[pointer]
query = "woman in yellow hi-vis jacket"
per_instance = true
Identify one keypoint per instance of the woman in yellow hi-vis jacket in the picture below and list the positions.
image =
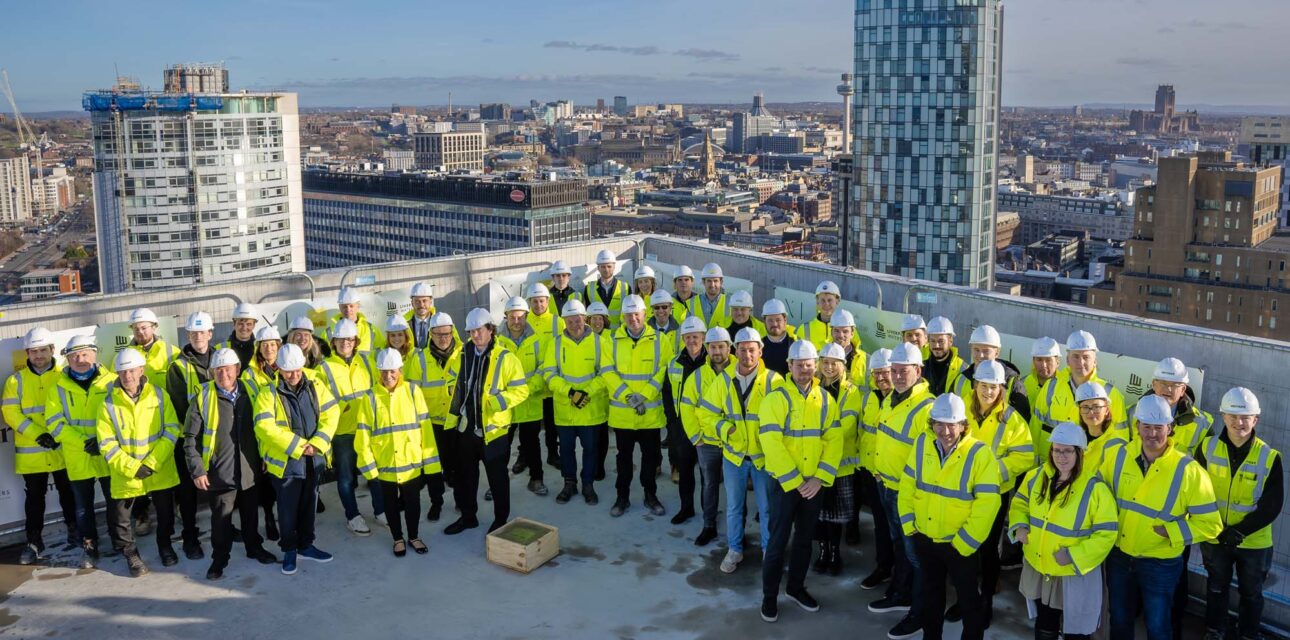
(1065, 518)
(948, 498)
(395, 442)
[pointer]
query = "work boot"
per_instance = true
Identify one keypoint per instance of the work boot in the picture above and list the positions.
(30, 554)
(569, 491)
(137, 567)
(168, 556)
(89, 555)
(655, 507)
(142, 526)
(519, 466)
(537, 487)
(216, 570)
(193, 550)
(619, 508)
(271, 528)
(589, 494)
(706, 536)
(683, 515)
(436, 510)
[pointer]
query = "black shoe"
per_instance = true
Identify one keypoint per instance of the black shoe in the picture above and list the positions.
(237, 534)
(835, 559)
(875, 579)
(706, 536)
(567, 493)
(553, 459)
(537, 487)
(655, 507)
(600, 475)
(262, 556)
(436, 510)
(488, 495)
(888, 603)
(589, 494)
(682, 515)
(193, 550)
(137, 567)
(89, 555)
(400, 548)
(821, 564)
(853, 533)
(803, 600)
(271, 529)
(954, 614)
(216, 571)
(168, 556)
(619, 508)
(321, 507)
(519, 466)
(769, 609)
(497, 524)
(908, 627)
(460, 525)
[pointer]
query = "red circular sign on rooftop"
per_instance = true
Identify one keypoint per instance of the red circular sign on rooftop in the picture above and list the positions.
(517, 195)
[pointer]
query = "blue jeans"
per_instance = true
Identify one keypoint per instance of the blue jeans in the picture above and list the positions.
(1141, 583)
(907, 578)
(569, 437)
(86, 523)
(1251, 567)
(345, 461)
(710, 465)
(736, 480)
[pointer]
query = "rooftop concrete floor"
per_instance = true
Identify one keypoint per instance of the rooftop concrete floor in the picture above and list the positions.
(632, 577)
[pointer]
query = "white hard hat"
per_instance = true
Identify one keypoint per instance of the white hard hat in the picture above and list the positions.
(741, 299)
(81, 342)
(573, 308)
(441, 319)
(712, 270)
(880, 359)
(1045, 347)
(1171, 370)
(267, 332)
(559, 267)
(1153, 409)
(717, 334)
(842, 318)
(986, 335)
(828, 286)
(949, 407)
(989, 371)
(1069, 434)
(301, 323)
(290, 358)
(833, 350)
(1081, 341)
(517, 303)
(1091, 391)
(684, 271)
(940, 325)
(396, 323)
(225, 358)
(747, 334)
(37, 338)
(477, 318)
(597, 308)
(537, 290)
(803, 350)
(633, 304)
(422, 290)
(660, 297)
(1239, 401)
(912, 322)
(127, 359)
(347, 296)
(693, 324)
(246, 311)
(905, 353)
(344, 328)
(142, 315)
(389, 360)
(774, 306)
(643, 271)
(605, 256)
(199, 321)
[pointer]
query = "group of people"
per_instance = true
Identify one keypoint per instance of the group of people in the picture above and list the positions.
(966, 465)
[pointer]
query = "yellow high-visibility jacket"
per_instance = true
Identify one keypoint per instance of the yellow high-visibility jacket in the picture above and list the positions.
(737, 422)
(867, 446)
(1083, 520)
(898, 426)
(800, 435)
(256, 378)
(548, 324)
(156, 360)
(952, 373)
(637, 366)
(528, 348)
(134, 433)
(1238, 492)
(1008, 437)
(277, 442)
(1033, 386)
(681, 308)
(369, 339)
(507, 388)
(815, 331)
(23, 407)
(347, 382)
(395, 439)
(71, 416)
(720, 315)
(1175, 493)
(1097, 447)
(858, 372)
(690, 400)
(1191, 426)
(411, 314)
(1056, 404)
(591, 293)
(954, 501)
(850, 401)
(577, 364)
(423, 371)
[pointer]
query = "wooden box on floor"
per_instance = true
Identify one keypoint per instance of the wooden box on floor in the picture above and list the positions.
(523, 545)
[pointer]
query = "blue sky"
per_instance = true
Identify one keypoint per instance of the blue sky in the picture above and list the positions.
(1057, 52)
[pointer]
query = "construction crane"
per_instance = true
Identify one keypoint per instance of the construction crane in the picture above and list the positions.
(25, 137)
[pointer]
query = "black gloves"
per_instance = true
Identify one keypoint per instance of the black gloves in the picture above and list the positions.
(92, 447)
(579, 398)
(1231, 537)
(47, 441)
(143, 472)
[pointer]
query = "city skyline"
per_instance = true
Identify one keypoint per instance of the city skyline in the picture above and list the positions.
(666, 51)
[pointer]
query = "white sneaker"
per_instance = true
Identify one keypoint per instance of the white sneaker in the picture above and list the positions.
(731, 561)
(358, 526)
(381, 519)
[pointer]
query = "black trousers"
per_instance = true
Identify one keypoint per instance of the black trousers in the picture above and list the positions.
(650, 442)
(186, 497)
(223, 504)
(602, 452)
(267, 497)
(436, 485)
(36, 485)
(531, 448)
(403, 498)
(123, 524)
(551, 436)
(471, 451)
(884, 552)
(990, 559)
(297, 509)
(684, 459)
(795, 516)
(86, 522)
(938, 561)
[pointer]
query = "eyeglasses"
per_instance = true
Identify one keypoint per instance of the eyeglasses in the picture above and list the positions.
(1171, 386)
(1090, 408)
(1058, 453)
